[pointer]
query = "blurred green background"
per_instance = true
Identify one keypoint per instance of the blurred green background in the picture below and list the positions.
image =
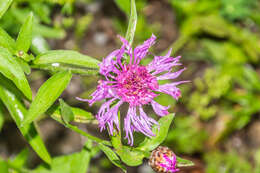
(217, 123)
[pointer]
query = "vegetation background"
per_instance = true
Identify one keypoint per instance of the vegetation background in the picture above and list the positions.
(217, 122)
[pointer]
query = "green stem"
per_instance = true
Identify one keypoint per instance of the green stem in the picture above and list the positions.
(76, 129)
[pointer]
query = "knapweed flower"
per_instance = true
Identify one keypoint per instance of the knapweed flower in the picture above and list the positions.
(163, 160)
(135, 85)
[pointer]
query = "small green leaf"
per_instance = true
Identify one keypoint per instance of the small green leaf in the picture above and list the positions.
(21, 159)
(4, 5)
(73, 163)
(131, 156)
(112, 156)
(66, 112)
(24, 39)
(80, 116)
(7, 41)
(24, 65)
(79, 131)
(150, 144)
(42, 11)
(47, 94)
(12, 70)
(57, 59)
(183, 162)
(124, 5)
(18, 111)
(132, 23)
(49, 32)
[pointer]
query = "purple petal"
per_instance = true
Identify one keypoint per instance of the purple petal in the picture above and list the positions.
(159, 109)
(163, 63)
(149, 120)
(108, 64)
(140, 123)
(103, 91)
(128, 128)
(110, 117)
(171, 89)
(125, 42)
(141, 50)
(170, 75)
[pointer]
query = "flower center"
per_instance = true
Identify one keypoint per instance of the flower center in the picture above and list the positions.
(135, 85)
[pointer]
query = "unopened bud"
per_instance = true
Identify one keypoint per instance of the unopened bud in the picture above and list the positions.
(163, 160)
(20, 53)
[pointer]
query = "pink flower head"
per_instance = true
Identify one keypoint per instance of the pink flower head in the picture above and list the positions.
(163, 160)
(169, 163)
(136, 85)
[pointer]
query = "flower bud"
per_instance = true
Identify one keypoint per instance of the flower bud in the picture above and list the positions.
(163, 160)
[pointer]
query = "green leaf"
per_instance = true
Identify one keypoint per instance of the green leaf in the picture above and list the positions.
(6, 41)
(183, 162)
(124, 5)
(80, 116)
(12, 70)
(3, 166)
(26, 68)
(112, 156)
(21, 159)
(66, 112)
(67, 59)
(79, 131)
(24, 39)
(18, 111)
(131, 156)
(39, 45)
(48, 32)
(47, 94)
(150, 144)
(4, 5)
(132, 23)
(73, 163)
(42, 11)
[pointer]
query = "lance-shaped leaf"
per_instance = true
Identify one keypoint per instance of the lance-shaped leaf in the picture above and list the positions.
(39, 45)
(24, 39)
(4, 5)
(124, 5)
(73, 163)
(161, 133)
(132, 23)
(79, 131)
(80, 115)
(67, 59)
(66, 112)
(18, 111)
(10, 68)
(183, 162)
(112, 156)
(24, 65)
(132, 156)
(21, 159)
(6, 41)
(47, 94)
